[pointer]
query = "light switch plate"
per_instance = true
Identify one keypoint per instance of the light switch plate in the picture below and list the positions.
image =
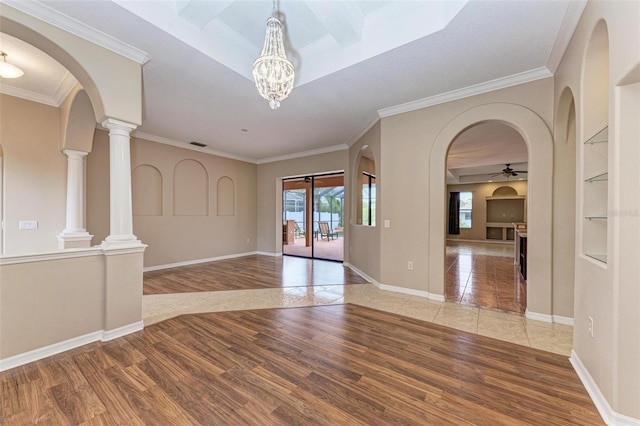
(28, 224)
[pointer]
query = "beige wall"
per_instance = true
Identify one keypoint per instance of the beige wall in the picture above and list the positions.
(269, 187)
(610, 294)
(407, 165)
(113, 82)
(364, 245)
(192, 230)
(35, 175)
(481, 191)
(36, 312)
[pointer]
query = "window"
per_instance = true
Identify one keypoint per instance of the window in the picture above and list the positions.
(368, 199)
(466, 199)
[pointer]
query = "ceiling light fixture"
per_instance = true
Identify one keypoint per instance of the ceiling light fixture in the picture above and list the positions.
(272, 71)
(8, 70)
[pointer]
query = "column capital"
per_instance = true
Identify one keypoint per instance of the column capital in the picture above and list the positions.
(113, 124)
(74, 153)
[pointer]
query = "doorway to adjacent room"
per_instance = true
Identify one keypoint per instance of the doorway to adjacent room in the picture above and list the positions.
(313, 216)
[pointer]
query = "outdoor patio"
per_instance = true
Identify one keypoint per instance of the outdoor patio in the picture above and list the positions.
(332, 249)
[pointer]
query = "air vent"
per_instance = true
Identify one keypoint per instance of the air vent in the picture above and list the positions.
(201, 145)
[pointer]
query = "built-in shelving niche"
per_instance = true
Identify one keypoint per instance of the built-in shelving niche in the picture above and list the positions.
(595, 195)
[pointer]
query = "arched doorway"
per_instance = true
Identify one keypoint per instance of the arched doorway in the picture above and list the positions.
(487, 191)
(539, 141)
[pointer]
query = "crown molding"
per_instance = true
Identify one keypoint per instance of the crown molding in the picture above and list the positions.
(359, 135)
(567, 28)
(64, 88)
(28, 95)
(185, 145)
(51, 16)
(477, 89)
(301, 154)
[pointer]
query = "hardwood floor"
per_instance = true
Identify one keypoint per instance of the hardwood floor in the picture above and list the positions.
(250, 272)
(484, 276)
(329, 365)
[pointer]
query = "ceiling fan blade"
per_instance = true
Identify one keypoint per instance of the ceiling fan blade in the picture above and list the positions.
(520, 171)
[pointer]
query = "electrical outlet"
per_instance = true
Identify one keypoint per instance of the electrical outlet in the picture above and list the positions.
(28, 224)
(590, 325)
(387, 223)
(410, 265)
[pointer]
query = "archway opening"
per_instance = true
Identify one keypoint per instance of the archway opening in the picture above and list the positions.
(486, 186)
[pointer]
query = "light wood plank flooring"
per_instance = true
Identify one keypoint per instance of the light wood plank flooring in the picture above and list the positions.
(249, 273)
(329, 365)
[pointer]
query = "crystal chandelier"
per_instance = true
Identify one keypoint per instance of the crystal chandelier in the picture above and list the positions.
(272, 71)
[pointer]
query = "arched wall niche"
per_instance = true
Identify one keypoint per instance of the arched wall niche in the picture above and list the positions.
(147, 191)
(539, 141)
(504, 191)
(566, 117)
(78, 121)
(595, 81)
(226, 197)
(190, 189)
(365, 174)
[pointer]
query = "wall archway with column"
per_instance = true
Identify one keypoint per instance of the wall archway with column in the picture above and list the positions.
(540, 146)
(113, 83)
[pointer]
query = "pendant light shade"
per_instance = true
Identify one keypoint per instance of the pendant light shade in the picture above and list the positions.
(8, 70)
(272, 71)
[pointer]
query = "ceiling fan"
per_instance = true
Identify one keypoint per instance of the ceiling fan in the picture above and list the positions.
(508, 171)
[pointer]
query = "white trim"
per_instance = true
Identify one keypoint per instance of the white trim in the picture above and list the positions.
(362, 274)
(28, 95)
(538, 317)
(268, 253)
(609, 416)
(54, 255)
(567, 28)
(64, 88)
(51, 16)
(66, 345)
(121, 331)
(563, 320)
(197, 261)
(412, 292)
(47, 351)
(359, 135)
(301, 154)
(186, 145)
(489, 86)
(394, 289)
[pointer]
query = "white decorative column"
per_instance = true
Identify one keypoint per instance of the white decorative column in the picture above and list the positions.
(74, 234)
(121, 214)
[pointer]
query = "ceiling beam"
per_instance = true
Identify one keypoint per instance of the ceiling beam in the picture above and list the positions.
(345, 23)
(200, 13)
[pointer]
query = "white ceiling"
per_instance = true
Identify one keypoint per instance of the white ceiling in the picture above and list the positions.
(356, 61)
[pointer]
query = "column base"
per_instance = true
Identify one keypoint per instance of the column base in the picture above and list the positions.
(121, 241)
(71, 240)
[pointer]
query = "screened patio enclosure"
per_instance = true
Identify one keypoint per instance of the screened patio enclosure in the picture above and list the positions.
(313, 216)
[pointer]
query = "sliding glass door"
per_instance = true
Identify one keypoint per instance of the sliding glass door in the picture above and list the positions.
(313, 216)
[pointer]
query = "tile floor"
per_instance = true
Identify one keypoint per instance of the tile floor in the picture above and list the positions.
(500, 325)
(483, 275)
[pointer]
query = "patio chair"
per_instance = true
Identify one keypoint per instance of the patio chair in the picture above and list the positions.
(297, 231)
(324, 231)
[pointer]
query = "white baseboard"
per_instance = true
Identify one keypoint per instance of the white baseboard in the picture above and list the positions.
(395, 289)
(462, 240)
(609, 416)
(268, 253)
(121, 331)
(549, 318)
(197, 261)
(76, 342)
(538, 317)
(563, 320)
